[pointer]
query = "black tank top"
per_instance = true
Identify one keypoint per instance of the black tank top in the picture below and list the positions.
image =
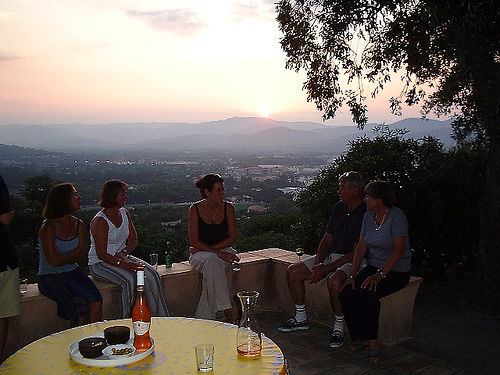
(212, 233)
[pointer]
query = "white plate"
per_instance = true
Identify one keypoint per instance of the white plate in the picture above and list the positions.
(108, 350)
(105, 361)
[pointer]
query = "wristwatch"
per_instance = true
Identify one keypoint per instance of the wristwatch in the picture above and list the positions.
(381, 273)
(118, 262)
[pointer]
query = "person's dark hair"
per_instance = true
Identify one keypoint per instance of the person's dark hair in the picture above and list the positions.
(381, 190)
(58, 201)
(354, 180)
(110, 191)
(207, 182)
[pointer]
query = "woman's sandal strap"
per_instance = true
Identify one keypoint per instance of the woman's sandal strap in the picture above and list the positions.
(374, 355)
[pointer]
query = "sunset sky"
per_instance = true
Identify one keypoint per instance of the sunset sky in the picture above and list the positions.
(100, 61)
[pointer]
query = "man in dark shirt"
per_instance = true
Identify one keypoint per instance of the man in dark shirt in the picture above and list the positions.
(333, 257)
(9, 268)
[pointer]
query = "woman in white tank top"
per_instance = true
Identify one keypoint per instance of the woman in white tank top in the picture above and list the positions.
(113, 238)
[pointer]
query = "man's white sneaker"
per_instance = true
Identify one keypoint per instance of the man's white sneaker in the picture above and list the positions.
(336, 339)
(292, 325)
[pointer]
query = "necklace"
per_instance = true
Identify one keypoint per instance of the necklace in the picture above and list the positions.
(214, 213)
(384, 217)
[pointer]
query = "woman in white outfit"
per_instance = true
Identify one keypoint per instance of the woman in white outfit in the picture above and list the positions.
(113, 238)
(212, 232)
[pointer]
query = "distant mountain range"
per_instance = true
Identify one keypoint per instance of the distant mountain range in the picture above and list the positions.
(244, 134)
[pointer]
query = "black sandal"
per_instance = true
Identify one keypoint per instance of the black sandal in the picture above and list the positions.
(374, 356)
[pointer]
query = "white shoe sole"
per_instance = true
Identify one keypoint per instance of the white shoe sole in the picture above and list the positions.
(292, 329)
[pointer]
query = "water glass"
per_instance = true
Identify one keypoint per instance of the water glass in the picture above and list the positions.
(153, 260)
(204, 357)
(23, 286)
(299, 251)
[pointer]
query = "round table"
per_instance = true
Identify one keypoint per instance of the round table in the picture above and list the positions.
(175, 339)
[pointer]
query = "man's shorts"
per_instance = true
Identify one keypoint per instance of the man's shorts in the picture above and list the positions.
(9, 293)
(346, 267)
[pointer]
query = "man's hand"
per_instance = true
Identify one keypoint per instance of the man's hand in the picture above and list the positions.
(319, 272)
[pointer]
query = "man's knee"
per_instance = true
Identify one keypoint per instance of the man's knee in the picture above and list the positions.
(297, 272)
(335, 282)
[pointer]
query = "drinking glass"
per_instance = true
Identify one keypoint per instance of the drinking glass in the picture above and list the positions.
(153, 260)
(23, 286)
(299, 251)
(204, 357)
(235, 266)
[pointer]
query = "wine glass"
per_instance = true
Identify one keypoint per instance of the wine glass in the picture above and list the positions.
(299, 250)
(235, 266)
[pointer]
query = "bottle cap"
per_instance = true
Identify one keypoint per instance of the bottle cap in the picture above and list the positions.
(140, 277)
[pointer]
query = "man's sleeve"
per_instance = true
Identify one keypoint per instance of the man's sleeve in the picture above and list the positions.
(330, 228)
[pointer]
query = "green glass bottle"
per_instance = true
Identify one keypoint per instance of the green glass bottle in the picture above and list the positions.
(168, 256)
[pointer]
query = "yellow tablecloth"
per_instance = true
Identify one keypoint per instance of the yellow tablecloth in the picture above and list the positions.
(175, 339)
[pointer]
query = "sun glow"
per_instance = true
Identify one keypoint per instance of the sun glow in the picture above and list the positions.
(264, 112)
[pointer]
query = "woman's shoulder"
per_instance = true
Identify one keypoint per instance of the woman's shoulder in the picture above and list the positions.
(196, 205)
(398, 213)
(100, 214)
(47, 225)
(80, 223)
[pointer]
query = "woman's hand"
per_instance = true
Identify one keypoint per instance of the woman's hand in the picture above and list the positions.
(131, 266)
(349, 281)
(228, 257)
(193, 250)
(371, 282)
(121, 255)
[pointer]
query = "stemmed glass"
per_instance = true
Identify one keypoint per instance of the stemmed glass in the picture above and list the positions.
(235, 266)
(299, 250)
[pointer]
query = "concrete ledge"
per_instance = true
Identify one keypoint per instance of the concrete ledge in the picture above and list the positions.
(261, 270)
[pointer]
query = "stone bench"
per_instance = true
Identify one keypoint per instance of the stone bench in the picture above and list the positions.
(396, 314)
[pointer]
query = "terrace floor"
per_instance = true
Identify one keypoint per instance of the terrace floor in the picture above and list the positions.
(447, 339)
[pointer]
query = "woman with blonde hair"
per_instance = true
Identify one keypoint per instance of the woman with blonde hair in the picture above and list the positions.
(113, 238)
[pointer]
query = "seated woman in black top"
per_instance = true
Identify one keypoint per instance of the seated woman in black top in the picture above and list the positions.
(212, 231)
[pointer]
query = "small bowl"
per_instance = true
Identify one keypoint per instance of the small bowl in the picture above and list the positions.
(117, 335)
(120, 350)
(91, 347)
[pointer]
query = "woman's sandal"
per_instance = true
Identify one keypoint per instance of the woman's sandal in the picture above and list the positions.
(374, 355)
(358, 346)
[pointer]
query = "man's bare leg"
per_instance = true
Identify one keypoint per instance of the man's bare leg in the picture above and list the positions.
(296, 274)
(335, 281)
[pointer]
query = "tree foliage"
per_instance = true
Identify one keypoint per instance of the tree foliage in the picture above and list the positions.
(450, 46)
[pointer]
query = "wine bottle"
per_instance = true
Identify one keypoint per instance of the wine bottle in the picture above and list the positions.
(141, 316)
(168, 256)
